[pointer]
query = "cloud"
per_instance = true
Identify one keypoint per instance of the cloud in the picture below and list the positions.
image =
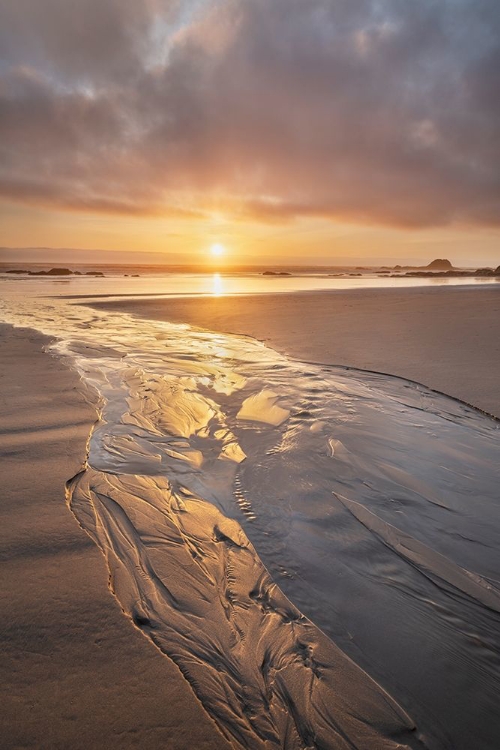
(365, 110)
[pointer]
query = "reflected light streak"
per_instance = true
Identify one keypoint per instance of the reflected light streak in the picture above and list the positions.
(217, 289)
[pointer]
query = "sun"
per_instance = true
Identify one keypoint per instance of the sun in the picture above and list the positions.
(217, 250)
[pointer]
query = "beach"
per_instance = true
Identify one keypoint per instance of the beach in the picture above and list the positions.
(74, 672)
(189, 417)
(249, 375)
(445, 338)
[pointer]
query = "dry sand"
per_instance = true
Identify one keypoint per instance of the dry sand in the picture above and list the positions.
(74, 673)
(445, 338)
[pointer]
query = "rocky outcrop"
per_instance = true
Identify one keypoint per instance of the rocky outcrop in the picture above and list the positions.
(440, 264)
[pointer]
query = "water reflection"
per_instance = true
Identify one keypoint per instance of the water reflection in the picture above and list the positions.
(363, 496)
(213, 284)
(217, 288)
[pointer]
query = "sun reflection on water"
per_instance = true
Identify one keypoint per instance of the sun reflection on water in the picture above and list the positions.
(217, 289)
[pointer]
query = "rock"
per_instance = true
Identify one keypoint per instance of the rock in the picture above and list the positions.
(440, 274)
(52, 272)
(440, 264)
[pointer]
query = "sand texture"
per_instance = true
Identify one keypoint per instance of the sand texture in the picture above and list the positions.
(74, 673)
(314, 546)
(445, 338)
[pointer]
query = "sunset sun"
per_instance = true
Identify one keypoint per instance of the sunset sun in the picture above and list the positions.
(249, 284)
(217, 250)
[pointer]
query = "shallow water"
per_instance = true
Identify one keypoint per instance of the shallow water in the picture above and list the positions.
(115, 284)
(372, 502)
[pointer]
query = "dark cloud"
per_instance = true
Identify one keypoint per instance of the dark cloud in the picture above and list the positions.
(89, 42)
(367, 110)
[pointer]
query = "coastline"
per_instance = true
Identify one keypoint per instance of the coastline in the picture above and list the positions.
(78, 620)
(74, 671)
(446, 338)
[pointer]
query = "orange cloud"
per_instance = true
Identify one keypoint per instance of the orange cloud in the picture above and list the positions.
(362, 111)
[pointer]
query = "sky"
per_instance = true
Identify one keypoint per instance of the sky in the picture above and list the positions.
(292, 131)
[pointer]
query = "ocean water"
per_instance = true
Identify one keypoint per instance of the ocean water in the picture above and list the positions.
(153, 283)
(317, 548)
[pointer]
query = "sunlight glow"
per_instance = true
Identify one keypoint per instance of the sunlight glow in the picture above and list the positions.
(217, 250)
(217, 289)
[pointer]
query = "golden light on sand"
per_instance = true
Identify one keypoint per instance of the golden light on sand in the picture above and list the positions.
(217, 250)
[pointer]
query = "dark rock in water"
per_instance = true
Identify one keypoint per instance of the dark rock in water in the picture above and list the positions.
(52, 272)
(489, 272)
(135, 275)
(440, 264)
(77, 273)
(276, 273)
(94, 273)
(438, 274)
(58, 272)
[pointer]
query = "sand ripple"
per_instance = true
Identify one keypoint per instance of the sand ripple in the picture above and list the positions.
(225, 482)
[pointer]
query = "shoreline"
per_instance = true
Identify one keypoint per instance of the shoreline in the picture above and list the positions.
(398, 289)
(74, 670)
(299, 320)
(439, 338)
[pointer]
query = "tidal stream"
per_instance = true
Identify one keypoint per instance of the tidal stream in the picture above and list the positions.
(317, 548)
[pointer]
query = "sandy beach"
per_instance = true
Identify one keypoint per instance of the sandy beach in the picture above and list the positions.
(249, 375)
(445, 338)
(74, 672)
(261, 538)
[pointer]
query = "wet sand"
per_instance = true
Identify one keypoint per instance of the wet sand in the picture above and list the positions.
(77, 674)
(73, 670)
(445, 338)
